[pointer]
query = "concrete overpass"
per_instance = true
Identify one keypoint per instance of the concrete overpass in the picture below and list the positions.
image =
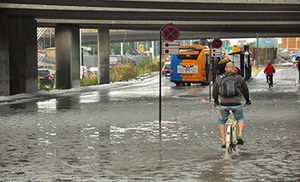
(136, 35)
(221, 16)
(141, 35)
(19, 19)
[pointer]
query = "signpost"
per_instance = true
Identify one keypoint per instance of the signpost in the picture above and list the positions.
(170, 33)
(215, 51)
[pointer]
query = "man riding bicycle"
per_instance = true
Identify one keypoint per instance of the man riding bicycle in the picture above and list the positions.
(230, 87)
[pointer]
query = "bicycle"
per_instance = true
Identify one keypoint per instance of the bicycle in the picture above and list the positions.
(231, 135)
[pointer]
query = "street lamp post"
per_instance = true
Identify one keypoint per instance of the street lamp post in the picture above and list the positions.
(82, 63)
(257, 50)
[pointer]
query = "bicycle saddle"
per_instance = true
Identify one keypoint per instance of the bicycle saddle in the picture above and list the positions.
(228, 109)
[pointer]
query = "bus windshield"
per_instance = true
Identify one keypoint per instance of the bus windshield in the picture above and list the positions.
(188, 53)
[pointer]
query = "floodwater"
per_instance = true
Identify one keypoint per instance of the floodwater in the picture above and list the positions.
(112, 134)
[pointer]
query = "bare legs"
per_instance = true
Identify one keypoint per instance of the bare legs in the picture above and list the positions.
(240, 127)
(222, 133)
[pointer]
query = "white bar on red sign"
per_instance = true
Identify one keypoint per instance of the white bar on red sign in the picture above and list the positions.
(169, 51)
(170, 44)
(216, 50)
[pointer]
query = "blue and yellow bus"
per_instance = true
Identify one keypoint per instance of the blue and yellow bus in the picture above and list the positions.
(190, 65)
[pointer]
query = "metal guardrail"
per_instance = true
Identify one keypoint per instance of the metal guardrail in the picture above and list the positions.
(40, 33)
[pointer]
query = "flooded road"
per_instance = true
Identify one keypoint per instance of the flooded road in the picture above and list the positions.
(112, 134)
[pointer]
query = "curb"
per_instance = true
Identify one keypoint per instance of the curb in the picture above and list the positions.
(41, 95)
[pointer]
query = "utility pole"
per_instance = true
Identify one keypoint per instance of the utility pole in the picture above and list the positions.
(209, 73)
(257, 50)
(81, 55)
(122, 53)
(50, 34)
(153, 50)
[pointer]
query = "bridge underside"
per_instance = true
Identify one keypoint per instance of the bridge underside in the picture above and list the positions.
(282, 16)
(128, 36)
(207, 18)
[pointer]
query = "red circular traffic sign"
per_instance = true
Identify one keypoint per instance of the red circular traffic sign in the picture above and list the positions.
(216, 43)
(171, 33)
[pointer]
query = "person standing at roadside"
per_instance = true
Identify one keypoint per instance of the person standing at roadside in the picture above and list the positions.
(298, 66)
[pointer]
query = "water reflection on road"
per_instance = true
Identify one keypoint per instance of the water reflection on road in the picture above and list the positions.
(113, 135)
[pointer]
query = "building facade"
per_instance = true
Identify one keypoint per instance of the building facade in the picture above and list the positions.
(290, 43)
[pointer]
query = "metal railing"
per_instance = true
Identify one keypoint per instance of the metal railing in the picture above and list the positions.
(40, 33)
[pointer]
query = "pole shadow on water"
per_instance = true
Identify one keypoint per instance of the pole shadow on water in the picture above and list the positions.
(29, 107)
(67, 103)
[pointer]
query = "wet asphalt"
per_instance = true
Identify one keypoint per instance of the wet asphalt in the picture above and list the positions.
(112, 134)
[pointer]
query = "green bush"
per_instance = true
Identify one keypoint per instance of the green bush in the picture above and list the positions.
(92, 80)
(148, 66)
(43, 86)
(123, 72)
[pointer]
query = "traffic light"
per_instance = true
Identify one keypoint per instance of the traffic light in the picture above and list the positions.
(141, 47)
(235, 48)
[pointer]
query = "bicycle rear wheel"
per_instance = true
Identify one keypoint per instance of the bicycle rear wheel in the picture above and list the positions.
(228, 137)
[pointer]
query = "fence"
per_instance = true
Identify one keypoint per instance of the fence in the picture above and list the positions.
(265, 54)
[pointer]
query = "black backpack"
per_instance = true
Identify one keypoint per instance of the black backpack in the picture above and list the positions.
(230, 85)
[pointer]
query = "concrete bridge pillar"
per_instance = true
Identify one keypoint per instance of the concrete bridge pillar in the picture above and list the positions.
(103, 55)
(67, 56)
(4, 56)
(18, 62)
(23, 55)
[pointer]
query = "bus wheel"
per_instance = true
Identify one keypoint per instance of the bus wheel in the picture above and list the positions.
(177, 83)
(188, 84)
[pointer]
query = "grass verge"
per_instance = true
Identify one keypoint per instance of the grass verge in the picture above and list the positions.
(256, 70)
(125, 72)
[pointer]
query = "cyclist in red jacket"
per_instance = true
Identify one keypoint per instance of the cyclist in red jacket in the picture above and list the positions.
(269, 71)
